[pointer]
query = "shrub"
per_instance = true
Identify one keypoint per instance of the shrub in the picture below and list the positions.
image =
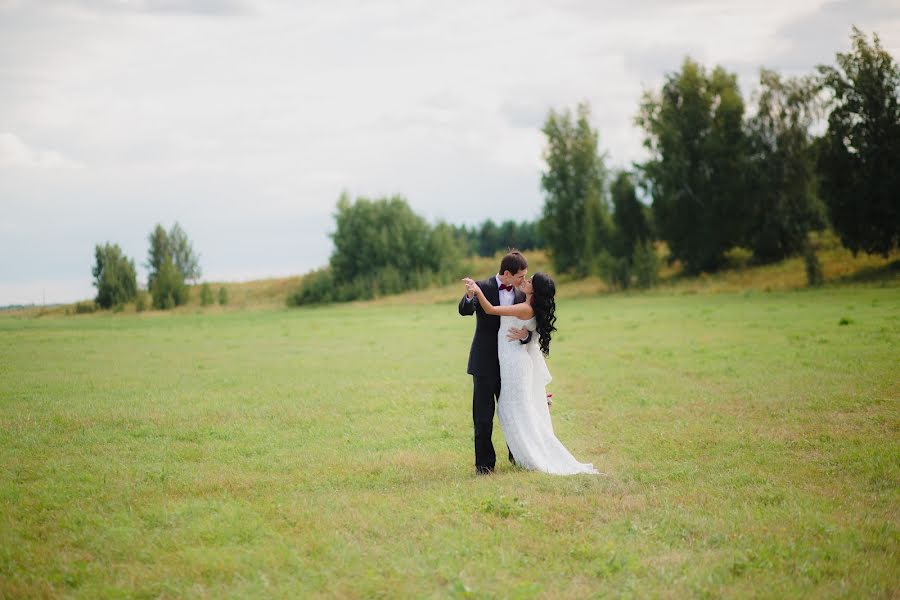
(315, 288)
(223, 296)
(638, 270)
(814, 275)
(140, 303)
(206, 295)
(85, 307)
(738, 257)
(614, 270)
(645, 265)
(168, 289)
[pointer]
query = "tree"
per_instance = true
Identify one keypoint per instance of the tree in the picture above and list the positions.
(173, 244)
(698, 167)
(630, 256)
(466, 239)
(529, 236)
(114, 276)
(488, 238)
(169, 289)
(575, 218)
(159, 250)
(171, 262)
(860, 151)
(509, 235)
(380, 247)
(629, 215)
(206, 294)
(785, 205)
(373, 234)
(443, 249)
(186, 260)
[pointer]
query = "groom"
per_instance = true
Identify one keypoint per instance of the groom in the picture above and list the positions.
(484, 367)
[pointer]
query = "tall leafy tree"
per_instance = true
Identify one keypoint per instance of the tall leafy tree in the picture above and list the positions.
(186, 260)
(158, 252)
(575, 218)
(114, 276)
(171, 261)
(175, 245)
(697, 171)
(860, 152)
(784, 203)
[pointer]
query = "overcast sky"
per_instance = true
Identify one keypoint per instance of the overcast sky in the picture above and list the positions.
(244, 120)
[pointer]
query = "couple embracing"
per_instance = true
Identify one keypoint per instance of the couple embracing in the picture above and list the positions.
(514, 321)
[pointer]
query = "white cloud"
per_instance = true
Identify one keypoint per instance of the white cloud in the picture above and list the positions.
(166, 7)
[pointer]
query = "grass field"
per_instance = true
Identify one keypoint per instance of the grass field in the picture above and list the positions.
(750, 440)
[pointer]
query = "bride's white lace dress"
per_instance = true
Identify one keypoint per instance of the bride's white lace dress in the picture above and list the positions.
(522, 407)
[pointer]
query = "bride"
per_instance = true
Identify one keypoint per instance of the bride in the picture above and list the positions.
(522, 406)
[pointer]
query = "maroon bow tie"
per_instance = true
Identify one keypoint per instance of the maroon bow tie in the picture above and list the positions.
(506, 288)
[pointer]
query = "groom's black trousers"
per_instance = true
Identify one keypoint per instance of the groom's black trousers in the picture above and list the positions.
(485, 394)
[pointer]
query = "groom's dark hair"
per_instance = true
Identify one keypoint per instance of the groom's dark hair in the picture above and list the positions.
(513, 262)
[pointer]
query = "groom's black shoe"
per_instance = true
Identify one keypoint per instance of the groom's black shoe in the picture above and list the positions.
(483, 470)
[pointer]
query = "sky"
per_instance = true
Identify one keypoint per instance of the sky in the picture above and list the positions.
(244, 120)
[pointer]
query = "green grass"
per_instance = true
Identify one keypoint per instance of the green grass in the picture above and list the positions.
(751, 442)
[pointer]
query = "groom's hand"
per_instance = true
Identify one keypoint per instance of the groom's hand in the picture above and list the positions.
(516, 335)
(470, 287)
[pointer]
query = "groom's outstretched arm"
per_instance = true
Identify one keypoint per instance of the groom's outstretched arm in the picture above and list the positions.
(467, 306)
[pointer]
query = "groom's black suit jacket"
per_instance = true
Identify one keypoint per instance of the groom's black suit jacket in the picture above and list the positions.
(483, 361)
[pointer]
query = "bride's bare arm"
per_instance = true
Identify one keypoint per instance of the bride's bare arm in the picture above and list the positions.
(521, 310)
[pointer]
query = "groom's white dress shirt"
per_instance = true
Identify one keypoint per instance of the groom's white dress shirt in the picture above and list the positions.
(507, 297)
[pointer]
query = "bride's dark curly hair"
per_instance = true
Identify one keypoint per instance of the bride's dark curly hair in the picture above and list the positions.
(544, 304)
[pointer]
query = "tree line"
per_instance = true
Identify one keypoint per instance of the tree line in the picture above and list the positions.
(717, 178)
(172, 264)
(489, 238)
